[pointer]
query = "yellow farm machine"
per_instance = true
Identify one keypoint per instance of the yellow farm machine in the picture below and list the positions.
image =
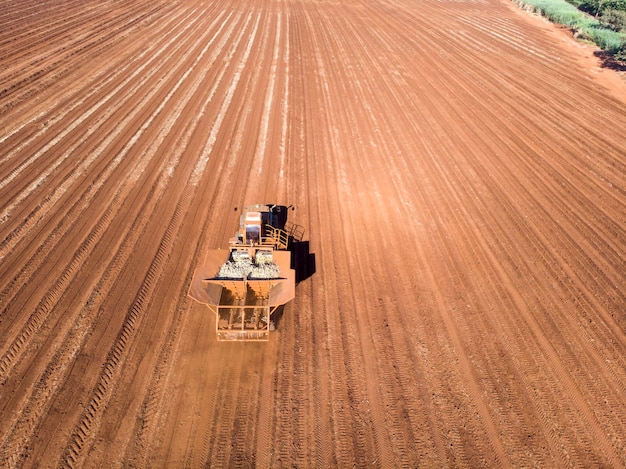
(246, 283)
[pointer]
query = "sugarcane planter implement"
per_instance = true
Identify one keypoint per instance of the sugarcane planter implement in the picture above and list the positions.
(245, 284)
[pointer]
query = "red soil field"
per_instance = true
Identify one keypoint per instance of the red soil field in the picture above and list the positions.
(459, 167)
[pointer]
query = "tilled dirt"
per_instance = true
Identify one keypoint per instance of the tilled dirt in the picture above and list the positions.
(459, 168)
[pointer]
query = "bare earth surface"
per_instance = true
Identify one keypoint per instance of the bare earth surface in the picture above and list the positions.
(459, 167)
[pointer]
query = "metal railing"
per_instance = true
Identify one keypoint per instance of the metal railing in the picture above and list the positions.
(278, 237)
(295, 231)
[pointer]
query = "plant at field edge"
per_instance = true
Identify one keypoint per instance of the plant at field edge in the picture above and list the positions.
(582, 24)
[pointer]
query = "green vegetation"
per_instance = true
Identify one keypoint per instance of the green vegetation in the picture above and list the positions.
(600, 21)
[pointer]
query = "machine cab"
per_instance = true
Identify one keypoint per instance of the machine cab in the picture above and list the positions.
(252, 227)
(260, 223)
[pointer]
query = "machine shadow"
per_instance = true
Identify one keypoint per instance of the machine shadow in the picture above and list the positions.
(276, 317)
(302, 259)
(303, 262)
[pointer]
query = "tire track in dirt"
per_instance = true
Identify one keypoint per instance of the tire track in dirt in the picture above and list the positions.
(364, 422)
(219, 451)
(63, 282)
(225, 169)
(402, 285)
(268, 178)
(347, 443)
(572, 367)
(470, 299)
(215, 419)
(386, 420)
(571, 212)
(176, 284)
(604, 252)
(463, 184)
(303, 143)
(450, 256)
(371, 198)
(290, 430)
(37, 49)
(347, 152)
(149, 422)
(558, 174)
(241, 422)
(59, 103)
(103, 102)
(48, 72)
(15, 236)
(227, 176)
(84, 434)
(34, 409)
(615, 406)
(556, 435)
(227, 102)
(152, 421)
(243, 428)
(241, 167)
(94, 301)
(91, 190)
